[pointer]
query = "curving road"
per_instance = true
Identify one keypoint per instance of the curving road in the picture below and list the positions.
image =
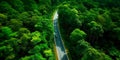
(61, 53)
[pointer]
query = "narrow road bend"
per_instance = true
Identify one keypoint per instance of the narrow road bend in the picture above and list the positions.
(61, 53)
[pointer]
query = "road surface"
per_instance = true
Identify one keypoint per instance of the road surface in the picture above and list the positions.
(61, 53)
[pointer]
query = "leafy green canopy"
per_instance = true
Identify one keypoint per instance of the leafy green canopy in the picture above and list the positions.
(99, 20)
(26, 30)
(77, 35)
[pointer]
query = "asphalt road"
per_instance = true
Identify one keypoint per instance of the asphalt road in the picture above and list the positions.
(61, 53)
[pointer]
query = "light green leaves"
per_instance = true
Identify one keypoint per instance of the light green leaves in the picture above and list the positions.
(36, 37)
(77, 35)
(5, 32)
(48, 52)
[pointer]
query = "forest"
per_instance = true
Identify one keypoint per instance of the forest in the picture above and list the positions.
(26, 30)
(90, 29)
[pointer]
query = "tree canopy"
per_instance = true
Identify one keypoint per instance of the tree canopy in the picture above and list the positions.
(92, 29)
(26, 31)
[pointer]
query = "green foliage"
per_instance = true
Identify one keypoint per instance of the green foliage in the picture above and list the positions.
(3, 19)
(100, 22)
(93, 54)
(21, 36)
(24, 16)
(77, 35)
(5, 51)
(16, 4)
(108, 3)
(23, 31)
(78, 51)
(6, 8)
(68, 15)
(77, 39)
(26, 29)
(82, 44)
(82, 7)
(36, 37)
(2, 16)
(36, 56)
(38, 48)
(30, 5)
(117, 33)
(96, 29)
(114, 52)
(48, 52)
(44, 24)
(15, 24)
(44, 6)
(5, 32)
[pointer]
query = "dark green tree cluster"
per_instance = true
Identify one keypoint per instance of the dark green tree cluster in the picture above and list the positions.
(26, 31)
(92, 28)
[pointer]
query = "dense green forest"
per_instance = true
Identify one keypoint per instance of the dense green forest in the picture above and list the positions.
(90, 29)
(26, 30)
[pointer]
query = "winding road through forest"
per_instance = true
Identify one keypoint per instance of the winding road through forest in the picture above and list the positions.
(61, 53)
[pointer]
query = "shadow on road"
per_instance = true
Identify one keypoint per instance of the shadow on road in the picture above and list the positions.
(64, 57)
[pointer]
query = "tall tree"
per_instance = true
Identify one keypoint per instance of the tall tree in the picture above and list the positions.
(95, 31)
(77, 35)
